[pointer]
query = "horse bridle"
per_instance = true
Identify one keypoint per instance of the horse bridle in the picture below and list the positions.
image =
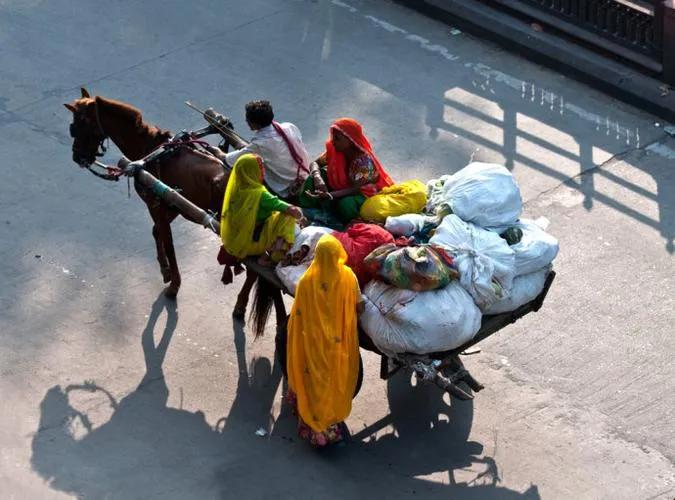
(76, 128)
(112, 173)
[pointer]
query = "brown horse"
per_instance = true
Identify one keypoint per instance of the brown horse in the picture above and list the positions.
(199, 177)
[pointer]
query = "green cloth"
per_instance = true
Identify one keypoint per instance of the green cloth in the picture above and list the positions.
(346, 208)
(269, 204)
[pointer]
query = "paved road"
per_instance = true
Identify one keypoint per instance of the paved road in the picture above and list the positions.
(111, 391)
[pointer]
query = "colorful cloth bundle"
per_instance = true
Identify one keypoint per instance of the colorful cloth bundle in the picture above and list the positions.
(412, 267)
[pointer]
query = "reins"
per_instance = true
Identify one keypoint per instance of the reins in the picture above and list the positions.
(113, 173)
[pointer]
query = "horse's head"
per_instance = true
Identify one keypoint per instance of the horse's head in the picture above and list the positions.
(86, 129)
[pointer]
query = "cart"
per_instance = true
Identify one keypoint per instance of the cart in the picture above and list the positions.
(445, 369)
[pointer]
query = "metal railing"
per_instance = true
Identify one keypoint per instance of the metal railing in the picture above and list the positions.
(640, 31)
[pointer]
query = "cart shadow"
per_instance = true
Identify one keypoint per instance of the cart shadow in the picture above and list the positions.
(142, 448)
(427, 435)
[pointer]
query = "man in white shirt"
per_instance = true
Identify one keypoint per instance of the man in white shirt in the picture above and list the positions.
(280, 146)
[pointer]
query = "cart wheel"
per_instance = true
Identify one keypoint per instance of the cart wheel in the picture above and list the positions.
(281, 341)
(359, 379)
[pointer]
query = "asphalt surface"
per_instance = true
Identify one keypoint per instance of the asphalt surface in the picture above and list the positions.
(109, 390)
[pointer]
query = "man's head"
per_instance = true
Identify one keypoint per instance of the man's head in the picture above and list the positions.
(259, 114)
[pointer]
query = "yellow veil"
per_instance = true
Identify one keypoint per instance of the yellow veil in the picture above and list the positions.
(240, 206)
(323, 346)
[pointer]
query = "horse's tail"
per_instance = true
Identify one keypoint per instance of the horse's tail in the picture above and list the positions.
(263, 299)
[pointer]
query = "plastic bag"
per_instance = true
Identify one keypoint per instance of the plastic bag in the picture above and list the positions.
(406, 198)
(358, 241)
(525, 289)
(485, 262)
(536, 248)
(412, 267)
(400, 321)
(485, 194)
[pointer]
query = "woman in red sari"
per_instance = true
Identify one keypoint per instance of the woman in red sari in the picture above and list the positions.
(346, 174)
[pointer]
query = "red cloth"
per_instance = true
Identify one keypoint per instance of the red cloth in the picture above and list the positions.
(231, 264)
(338, 177)
(358, 241)
(291, 149)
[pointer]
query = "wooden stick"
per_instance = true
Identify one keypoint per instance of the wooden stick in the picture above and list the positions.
(230, 135)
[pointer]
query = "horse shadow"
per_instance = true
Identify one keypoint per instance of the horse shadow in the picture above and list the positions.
(146, 448)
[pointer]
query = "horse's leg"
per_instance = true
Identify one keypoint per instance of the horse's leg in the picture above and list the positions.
(280, 309)
(166, 216)
(161, 255)
(239, 311)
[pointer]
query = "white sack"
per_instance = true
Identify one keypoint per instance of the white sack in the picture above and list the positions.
(525, 289)
(308, 236)
(535, 250)
(408, 224)
(404, 225)
(401, 321)
(290, 275)
(480, 257)
(485, 194)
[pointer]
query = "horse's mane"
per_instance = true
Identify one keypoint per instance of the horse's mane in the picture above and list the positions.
(129, 114)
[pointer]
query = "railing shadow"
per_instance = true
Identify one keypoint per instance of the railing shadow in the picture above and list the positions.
(478, 106)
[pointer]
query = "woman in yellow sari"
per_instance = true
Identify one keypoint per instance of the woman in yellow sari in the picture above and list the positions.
(323, 347)
(254, 221)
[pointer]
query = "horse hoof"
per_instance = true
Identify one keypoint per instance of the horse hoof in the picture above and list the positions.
(170, 292)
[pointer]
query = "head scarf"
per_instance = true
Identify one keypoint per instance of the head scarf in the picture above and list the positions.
(338, 177)
(323, 347)
(240, 206)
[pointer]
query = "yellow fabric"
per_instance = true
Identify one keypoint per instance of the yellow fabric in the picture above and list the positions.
(240, 208)
(408, 197)
(240, 205)
(323, 346)
(277, 225)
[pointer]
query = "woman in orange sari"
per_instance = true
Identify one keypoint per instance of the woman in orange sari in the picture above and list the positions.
(348, 172)
(323, 346)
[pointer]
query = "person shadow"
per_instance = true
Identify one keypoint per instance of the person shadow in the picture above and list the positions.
(146, 448)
